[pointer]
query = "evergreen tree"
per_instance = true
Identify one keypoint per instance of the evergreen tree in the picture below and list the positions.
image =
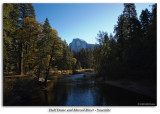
(150, 45)
(133, 53)
(28, 36)
(10, 28)
(47, 26)
(145, 20)
(53, 47)
(66, 62)
(129, 13)
(26, 11)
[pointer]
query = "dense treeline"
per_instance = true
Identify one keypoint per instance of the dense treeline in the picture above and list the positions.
(84, 58)
(131, 53)
(30, 46)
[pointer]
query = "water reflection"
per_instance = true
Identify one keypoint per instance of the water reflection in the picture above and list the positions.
(76, 91)
(81, 96)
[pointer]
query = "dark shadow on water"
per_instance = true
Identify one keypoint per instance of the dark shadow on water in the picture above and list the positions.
(78, 92)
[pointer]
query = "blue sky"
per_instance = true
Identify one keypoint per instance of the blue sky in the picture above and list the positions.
(82, 20)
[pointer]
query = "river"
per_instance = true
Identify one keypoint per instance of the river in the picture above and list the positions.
(81, 90)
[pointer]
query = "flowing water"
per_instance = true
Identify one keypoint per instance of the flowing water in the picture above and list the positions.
(81, 90)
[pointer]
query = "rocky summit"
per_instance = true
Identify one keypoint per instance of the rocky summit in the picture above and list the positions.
(78, 44)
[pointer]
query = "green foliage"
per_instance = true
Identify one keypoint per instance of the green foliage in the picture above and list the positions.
(103, 54)
(29, 45)
(84, 58)
(28, 36)
(145, 20)
(131, 53)
(10, 28)
(26, 10)
(53, 47)
(65, 63)
(47, 26)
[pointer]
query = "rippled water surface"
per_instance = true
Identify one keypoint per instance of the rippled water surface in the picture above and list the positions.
(79, 90)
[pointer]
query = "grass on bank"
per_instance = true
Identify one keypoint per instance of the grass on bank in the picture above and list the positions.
(16, 87)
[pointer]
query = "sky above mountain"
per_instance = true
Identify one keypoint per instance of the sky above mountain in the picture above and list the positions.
(82, 20)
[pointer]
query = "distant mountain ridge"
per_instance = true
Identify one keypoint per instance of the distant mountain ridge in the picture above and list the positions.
(78, 44)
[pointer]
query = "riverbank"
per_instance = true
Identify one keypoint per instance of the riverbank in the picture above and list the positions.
(73, 90)
(144, 87)
(17, 88)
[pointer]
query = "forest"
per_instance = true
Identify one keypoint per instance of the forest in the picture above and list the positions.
(132, 52)
(34, 48)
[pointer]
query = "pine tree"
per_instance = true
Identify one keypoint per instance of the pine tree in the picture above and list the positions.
(53, 47)
(129, 13)
(150, 45)
(47, 26)
(26, 11)
(145, 20)
(66, 62)
(10, 28)
(29, 36)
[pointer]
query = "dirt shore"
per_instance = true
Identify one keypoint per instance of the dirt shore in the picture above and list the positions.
(147, 90)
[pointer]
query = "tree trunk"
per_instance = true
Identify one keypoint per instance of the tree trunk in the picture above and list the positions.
(21, 60)
(47, 72)
(7, 66)
(39, 71)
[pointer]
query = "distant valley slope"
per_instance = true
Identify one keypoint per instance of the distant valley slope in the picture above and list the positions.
(78, 44)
